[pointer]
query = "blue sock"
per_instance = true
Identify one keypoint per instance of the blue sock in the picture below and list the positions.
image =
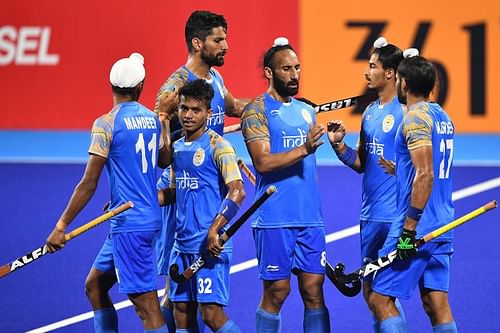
(400, 309)
(316, 320)
(162, 329)
(267, 322)
(185, 330)
(393, 325)
(450, 327)
(229, 327)
(105, 320)
(168, 315)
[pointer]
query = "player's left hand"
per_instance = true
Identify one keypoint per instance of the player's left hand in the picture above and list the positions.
(213, 245)
(388, 165)
(406, 244)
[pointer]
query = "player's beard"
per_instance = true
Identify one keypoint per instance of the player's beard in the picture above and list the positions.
(401, 97)
(283, 89)
(213, 60)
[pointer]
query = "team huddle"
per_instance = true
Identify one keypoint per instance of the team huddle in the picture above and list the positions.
(405, 152)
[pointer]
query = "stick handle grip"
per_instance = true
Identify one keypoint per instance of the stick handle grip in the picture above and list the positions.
(466, 218)
(95, 222)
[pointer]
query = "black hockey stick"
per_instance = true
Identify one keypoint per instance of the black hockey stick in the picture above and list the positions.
(341, 103)
(198, 263)
(343, 288)
(386, 260)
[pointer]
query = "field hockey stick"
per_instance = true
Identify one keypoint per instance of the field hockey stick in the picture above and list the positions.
(198, 263)
(42, 250)
(341, 103)
(343, 288)
(386, 260)
(232, 128)
(246, 170)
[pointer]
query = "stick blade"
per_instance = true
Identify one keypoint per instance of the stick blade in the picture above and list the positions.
(333, 275)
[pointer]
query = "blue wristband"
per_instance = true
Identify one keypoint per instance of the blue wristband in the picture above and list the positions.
(414, 213)
(348, 157)
(228, 209)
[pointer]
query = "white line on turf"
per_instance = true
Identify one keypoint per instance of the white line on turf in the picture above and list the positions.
(344, 233)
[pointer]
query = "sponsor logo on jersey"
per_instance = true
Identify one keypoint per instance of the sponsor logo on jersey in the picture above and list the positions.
(292, 141)
(388, 123)
(272, 268)
(199, 157)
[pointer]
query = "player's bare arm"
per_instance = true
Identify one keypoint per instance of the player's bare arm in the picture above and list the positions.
(165, 152)
(81, 196)
(166, 196)
(264, 161)
(422, 184)
(234, 106)
(236, 194)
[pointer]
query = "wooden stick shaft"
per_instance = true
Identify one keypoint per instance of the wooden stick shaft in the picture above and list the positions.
(246, 170)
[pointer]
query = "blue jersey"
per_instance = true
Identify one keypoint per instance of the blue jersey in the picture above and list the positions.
(285, 126)
(425, 124)
(378, 130)
(183, 75)
(129, 138)
(202, 170)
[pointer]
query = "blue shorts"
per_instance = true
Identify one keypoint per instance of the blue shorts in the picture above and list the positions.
(283, 250)
(429, 269)
(209, 285)
(165, 240)
(372, 238)
(130, 255)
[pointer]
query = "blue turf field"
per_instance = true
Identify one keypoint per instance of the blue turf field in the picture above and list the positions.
(49, 291)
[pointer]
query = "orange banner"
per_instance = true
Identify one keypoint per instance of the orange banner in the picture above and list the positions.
(460, 36)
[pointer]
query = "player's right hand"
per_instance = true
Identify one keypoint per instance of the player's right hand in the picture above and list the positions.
(313, 137)
(213, 244)
(336, 131)
(56, 240)
(168, 102)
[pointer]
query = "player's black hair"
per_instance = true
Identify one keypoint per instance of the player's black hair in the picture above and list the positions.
(198, 90)
(200, 24)
(269, 55)
(419, 74)
(389, 56)
(132, 92)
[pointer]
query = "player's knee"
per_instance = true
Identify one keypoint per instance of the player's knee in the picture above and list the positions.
(147, 310)
(92, 289)
(312, 292)
(377, 303)
(277, 292)
(212, 315)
